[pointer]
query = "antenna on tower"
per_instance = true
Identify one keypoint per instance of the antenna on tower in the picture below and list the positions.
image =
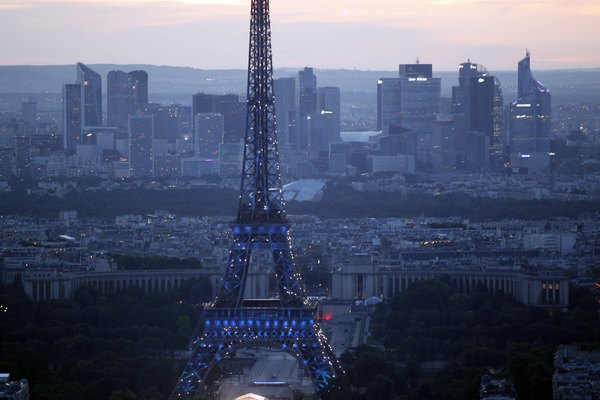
(417, 59)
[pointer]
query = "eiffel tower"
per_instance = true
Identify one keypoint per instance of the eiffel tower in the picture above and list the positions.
(289, 322)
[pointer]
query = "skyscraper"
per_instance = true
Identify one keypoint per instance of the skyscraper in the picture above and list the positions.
(388, 104)
(22, 159)
(72, 116)
(141, 145)
(307, 104)
(29, 111)
(420, 95)
(449, 142)
(479, 96)
(125, 91)
(203, 103)
(322, 128)
(228, 105)
(324, 123)
(208, 135)
(466, 71)
(411, 101)
(230, 158)
(168, 120)
(7, 155)
(530, 119)
(479, 105)
(120, 98)
(329, 99)
(498, 140)
(285, 109)
(91, 87)
(139, 79)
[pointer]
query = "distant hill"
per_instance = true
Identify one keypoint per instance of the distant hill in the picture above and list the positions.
(567, 84)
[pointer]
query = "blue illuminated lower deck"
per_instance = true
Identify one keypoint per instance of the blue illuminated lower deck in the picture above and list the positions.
(261, 317)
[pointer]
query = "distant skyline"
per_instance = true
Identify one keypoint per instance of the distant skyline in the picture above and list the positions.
(376, 35)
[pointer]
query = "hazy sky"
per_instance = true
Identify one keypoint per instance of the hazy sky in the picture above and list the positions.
(362, 34)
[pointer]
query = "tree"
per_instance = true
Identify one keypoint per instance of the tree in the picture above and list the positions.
(381, 388)
(123, 395)
(184, 331)
(339, 389)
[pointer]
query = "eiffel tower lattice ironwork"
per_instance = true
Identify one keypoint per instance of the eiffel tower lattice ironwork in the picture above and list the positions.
(289, 322)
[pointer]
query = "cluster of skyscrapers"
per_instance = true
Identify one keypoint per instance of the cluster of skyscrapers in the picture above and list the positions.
(142, 139)
(416, 128)
(468, 131)
(136, 133)
(308, 121)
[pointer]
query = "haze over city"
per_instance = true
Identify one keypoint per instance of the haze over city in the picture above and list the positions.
(325, 34)
(384, 200)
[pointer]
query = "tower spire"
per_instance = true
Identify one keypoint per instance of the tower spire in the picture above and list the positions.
(261, 195)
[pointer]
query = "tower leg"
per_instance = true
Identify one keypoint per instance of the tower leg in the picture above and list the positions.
(289, 280)
(197, 368)
(234, 281)
(320, 365)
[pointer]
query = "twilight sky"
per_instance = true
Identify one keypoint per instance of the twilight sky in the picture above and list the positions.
(374, 34)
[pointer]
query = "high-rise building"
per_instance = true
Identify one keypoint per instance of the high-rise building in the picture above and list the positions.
(388, 104)
(466, 71)
(498, 138)
(7, 155)
(29, 111)
(22, 159)
(324, 123)
(420, 95)
(209, 131)
(120, 98)
(480, 105)
(141, 145)
(186, 123)
(98, 146)
(479, 96)
(449, 142)
(398, 141)
(307, 104)
(167, 165)
(285, 109)
(339, 157)
(329, 99)
(168, 120)
(321, 130)
(234, 117)
(411, 101)
(72, 116)
(139, 79)
(228, 105)
(530, 122)
(230, 158)
(203, 103)
(91, 87)
(126, 91)
(197, 167)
